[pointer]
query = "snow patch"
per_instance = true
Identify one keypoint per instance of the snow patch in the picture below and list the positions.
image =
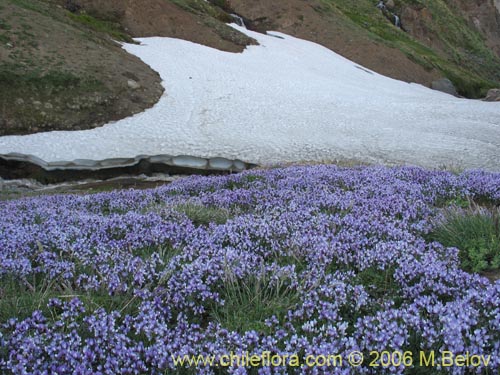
(285, 100)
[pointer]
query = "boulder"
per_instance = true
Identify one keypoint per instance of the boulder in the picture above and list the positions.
(493, 95)
(72, 6)
(134, 85)
(444, 85)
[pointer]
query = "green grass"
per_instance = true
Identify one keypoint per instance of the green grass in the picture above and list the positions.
(250, 300)
(37, 6)
(475, 231)
(4, 25)
(19, 298)
(201, 215)
(201, 6)
(468, 62)
(4, 38)
(14, 75)
(104, 26)
(378, 283)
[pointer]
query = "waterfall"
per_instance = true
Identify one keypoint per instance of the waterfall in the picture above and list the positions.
(397, 21)
(387, 13)
(238, 20)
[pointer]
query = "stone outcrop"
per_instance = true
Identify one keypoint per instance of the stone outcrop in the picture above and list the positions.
(493, 95)
(484, 16)
(444, 85)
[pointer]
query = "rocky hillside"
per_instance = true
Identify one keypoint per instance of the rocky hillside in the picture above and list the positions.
(457, 39)
(60, 70)
(60, 67)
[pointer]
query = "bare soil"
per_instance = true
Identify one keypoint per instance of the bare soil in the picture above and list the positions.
(56, 74)
(146, 18)
(59, 73)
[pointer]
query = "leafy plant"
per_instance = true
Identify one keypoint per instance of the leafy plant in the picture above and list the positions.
(475, 232)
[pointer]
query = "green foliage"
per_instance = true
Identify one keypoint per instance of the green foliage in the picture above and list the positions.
(196, 6)
(249, 178)
(20, 297)
(468, 62)
(4, 38)
(201, 215)
(250, 300)
(165, 252)
(224, 4)
(36, 6)
(4, 25)
(378, 283)
(17, 300)
(476, 233)
(104, 26)
(460, 202)
(12, 75)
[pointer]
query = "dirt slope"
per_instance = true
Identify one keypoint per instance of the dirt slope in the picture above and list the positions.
(456, 39)
(58, 74)
(484, 16)
(196, 22)
(306, 20)
(61, 70)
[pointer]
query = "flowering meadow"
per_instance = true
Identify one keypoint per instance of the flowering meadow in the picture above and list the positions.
(313, 260)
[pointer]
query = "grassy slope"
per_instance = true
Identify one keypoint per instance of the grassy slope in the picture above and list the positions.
(465, 59)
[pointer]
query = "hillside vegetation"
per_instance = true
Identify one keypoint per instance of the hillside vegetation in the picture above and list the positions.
(64, 71)
(438, 38)
(60, 67)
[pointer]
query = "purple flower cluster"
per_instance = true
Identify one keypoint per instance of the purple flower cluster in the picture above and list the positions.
(329, 236)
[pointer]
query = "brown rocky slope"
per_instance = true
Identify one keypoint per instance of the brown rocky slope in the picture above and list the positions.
(58, 74)
(62, 70)
(457, 39)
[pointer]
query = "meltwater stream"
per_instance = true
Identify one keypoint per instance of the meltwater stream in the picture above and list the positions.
(238, 20)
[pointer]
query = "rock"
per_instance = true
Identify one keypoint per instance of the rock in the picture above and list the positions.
(48, 106)
(37, 103)
(72, 6)
(493, 95)
(19, 101)
(133, 84)
(444, 85)
(390, 4)
(74, 106)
